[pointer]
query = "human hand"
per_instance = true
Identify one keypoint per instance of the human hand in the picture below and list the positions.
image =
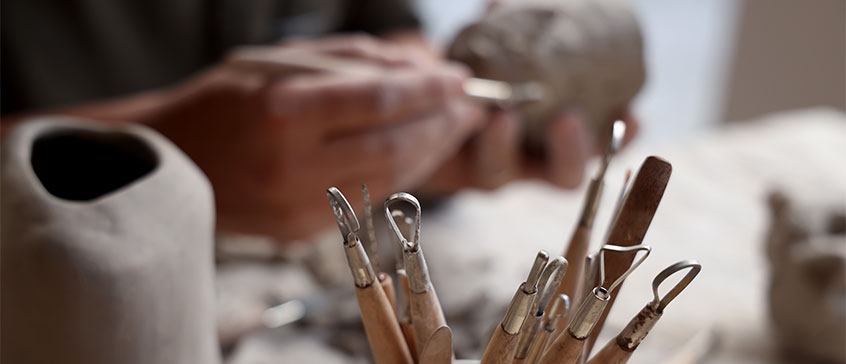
(271, 146)
(495, 156)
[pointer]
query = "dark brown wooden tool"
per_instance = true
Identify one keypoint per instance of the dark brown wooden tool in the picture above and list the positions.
(631, 224)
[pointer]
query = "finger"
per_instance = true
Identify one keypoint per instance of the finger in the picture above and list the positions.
(339, 103)
(569, 146)
(411, 150)
(497, 150)
(358, 46)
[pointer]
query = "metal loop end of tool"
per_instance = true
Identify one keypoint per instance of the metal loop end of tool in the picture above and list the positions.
(344, 214)
(658, 304)
(359, 263)
(621, 249)
(550, 279)
(414, 243)
(640, 325)
(413, 260)
(523, 299)
(560, 302)
(589, 313)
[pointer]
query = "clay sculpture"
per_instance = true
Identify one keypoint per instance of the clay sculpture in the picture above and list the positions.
(588, 55)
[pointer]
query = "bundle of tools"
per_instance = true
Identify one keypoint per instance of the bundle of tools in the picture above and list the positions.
(538, 326)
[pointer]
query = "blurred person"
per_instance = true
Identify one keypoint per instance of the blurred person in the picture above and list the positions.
(270, 145)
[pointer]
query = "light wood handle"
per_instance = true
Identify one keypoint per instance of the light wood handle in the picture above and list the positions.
(408, 333)
(380, 323)
(387, 284)
(426, 315)
(611, 353)
(406, 324)
(564, 350)
(501, 348)
(438, 348)
(631, 225)
(539, 346)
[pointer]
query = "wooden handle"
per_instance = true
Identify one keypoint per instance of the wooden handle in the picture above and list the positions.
(408, 333)
(438, 348)
(632, 223)
(564, 350)
(572, 283)
(380, 323)
(501, 348)
(611, 353)
(426, 315)
(388, 286)
(406, 324)
(539, 346)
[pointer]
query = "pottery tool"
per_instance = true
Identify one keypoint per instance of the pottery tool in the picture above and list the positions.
(438, 348)
(426, 313)
(620, 349)
(580, 240)
(591, 267)
(549, 325)
(385, 280)
(504, 342)
(380, 323)
(550, 279)
(403, 291)
(633, 221)
(567, 347)
(288, 61)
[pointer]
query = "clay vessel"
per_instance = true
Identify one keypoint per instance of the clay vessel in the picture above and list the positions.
(107, 252)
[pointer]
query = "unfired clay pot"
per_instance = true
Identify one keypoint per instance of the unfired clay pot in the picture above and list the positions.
(107, 252)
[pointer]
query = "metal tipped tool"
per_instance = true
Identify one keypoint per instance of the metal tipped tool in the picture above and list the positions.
(502, 93)
(567, 348)
(620, 349)
(504, 341)
(426, 313)
(551, 278)
(287, 61)
(594, 191)
(579, 244)
(359, 263)
(559, 308)
(377, 313)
